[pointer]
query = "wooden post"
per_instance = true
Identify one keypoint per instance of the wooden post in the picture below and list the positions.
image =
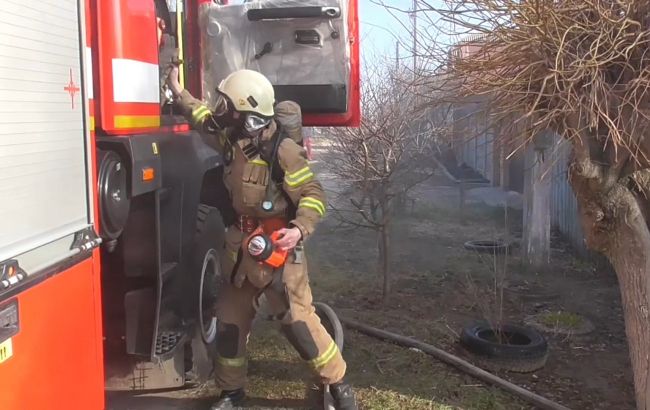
(504, 168)
(537, 208)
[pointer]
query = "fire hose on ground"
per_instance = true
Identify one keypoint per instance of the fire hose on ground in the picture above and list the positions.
(456, 362)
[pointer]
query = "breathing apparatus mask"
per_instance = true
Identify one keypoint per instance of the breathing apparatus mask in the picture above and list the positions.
(254, 123)
(249, 124)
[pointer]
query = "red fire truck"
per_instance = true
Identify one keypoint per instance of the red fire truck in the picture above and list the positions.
(112, 209)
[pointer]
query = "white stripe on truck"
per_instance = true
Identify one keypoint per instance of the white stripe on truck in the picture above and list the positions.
(89, 73)
(135, 81)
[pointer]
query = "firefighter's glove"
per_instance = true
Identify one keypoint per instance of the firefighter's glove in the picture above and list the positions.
(173, 82)
(290, 238)
(176, 61)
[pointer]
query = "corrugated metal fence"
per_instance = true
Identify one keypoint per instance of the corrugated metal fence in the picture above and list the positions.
(564, 207)
(476, 149)
(476, 140)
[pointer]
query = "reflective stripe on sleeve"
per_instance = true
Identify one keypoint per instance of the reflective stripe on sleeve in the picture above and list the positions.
(199, 114)
(313, 203)
(299, 177)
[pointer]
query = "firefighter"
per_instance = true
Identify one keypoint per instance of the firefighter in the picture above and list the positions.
(271, 185)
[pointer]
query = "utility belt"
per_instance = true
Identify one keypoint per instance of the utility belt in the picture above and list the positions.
(248, 224)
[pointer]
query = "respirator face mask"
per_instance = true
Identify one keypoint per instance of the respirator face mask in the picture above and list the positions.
(254, 123)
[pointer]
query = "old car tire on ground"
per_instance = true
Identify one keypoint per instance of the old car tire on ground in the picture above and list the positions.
(526, 350)
(493, 247)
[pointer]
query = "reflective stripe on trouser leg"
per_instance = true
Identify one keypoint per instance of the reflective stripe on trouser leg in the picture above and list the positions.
(302, 326)
(230, 372)
(325, 358)
(235, 312)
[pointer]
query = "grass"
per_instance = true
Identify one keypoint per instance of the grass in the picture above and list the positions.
(485, 400)
(390, 400)
(566, 320)
(385, 377)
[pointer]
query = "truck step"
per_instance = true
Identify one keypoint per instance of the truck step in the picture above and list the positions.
(167, 341)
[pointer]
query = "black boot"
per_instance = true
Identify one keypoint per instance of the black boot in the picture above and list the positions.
(229, 399)
(343, 396)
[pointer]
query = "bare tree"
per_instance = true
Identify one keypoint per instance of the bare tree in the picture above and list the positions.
(380, 161)
(582, 69)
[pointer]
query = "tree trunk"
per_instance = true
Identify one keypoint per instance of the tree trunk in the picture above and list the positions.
(384, 245)
(615, 226)
(537, 209)
(630, 258)
(385, 260)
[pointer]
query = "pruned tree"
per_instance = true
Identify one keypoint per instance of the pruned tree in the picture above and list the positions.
(381, 160)
(580, 68)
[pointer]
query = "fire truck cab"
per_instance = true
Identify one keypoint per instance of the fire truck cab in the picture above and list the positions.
(113, 210)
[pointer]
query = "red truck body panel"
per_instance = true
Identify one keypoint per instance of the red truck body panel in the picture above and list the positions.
(56, 360)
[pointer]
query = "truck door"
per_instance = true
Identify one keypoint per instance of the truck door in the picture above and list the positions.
(309, 49)
(50, 316)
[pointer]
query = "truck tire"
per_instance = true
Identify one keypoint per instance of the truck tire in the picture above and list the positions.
(210, 233)
(113, 194)
(205, 268)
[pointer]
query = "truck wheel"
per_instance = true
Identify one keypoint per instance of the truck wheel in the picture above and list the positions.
(206, 270)
(209, 240)
(114, 201)
(207, 296)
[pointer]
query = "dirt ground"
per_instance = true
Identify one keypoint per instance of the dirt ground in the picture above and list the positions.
(432, 300)
(438, 287)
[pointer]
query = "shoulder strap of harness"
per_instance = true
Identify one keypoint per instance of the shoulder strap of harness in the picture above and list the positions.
(269, 153)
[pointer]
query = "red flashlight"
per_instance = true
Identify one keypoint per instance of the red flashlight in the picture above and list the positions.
(262, 248)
